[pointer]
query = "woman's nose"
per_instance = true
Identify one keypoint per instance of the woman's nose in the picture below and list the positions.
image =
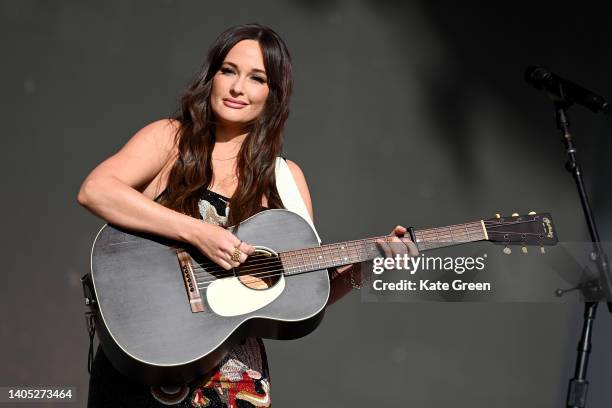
(237, 85)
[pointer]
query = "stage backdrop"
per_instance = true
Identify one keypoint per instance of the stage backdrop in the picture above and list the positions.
(412, 113)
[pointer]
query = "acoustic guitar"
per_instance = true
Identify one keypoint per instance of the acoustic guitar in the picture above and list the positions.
(166, 314)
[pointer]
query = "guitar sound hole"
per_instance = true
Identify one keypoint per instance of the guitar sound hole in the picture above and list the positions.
(260, 271)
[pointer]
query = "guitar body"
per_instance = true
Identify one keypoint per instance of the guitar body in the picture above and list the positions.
(145, 323)
(166, 314)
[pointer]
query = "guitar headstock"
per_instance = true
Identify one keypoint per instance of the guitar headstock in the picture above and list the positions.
(530, 229)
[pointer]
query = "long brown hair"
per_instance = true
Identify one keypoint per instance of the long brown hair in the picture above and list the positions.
(192, 171)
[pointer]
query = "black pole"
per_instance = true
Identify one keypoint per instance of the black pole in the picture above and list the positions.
(578, 386)
(598, 255)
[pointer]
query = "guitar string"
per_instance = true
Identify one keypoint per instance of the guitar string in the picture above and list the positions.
(475, 229)
(352, 257)
(290, 270)
(254, 267)
(212, 267)
(267, 274)
(364, 241)
(296, 253)
(262, 275)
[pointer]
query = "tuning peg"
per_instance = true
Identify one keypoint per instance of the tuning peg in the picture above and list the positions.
(532, 213)
(515, 214)
(524, 249)
(542, 250)
(497, 216)
(507, 251)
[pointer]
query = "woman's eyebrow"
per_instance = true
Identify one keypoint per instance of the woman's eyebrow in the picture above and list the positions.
(252, 70)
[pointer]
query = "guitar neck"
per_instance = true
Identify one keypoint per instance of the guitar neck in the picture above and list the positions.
(362, 250)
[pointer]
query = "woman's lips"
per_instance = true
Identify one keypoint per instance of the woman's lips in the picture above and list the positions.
(233, 104)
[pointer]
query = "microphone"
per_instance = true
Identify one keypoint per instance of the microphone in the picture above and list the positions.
(541, 78)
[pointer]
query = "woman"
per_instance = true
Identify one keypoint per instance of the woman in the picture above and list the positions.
(217, 154)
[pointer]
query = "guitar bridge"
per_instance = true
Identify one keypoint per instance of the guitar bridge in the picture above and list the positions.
(193, 292)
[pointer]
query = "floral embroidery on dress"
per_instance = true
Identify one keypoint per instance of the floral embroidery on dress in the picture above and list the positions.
(240, 378)
(210, 213)
(255, 391)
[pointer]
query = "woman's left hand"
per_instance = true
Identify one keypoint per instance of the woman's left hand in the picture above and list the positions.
(398, 244)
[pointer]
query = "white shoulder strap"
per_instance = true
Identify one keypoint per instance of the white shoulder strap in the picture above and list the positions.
(289, 193)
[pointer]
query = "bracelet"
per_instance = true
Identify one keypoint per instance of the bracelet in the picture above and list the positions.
(355, 284)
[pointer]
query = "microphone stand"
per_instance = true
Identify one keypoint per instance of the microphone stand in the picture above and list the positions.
(578, 385)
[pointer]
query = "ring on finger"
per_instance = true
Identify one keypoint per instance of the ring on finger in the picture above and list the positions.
(236, 255)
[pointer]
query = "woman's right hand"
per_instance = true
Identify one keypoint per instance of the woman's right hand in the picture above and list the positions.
(219, 244)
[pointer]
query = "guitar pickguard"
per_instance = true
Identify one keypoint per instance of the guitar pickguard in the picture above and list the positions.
(230, 297)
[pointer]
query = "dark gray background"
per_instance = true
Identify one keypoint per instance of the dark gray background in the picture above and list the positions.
(403, 112)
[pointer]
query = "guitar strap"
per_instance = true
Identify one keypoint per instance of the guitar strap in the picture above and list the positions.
(290, 194)
(90, 301)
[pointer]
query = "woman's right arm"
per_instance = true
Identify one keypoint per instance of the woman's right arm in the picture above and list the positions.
(112, 191)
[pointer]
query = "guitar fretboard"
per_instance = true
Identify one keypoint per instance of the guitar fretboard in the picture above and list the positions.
(343, 253)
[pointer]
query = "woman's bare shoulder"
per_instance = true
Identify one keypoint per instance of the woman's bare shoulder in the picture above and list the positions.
(300, 181)
(295, 169)
(165, 125)
(161, 136)
(162, 132)
(145, 157)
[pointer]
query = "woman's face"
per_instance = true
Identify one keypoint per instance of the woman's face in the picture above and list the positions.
(240, 87)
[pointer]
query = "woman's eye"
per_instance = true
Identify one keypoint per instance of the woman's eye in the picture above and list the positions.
(229, 71)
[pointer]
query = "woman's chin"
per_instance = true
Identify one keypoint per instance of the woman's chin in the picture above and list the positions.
(233, 121)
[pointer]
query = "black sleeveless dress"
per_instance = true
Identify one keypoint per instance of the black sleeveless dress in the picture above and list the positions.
(241, 379)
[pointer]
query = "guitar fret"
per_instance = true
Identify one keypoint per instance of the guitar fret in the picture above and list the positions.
(289, 267)
(303, 261)
(359, 252)
(344, 258)
(349, 255)
(319, 256)
(459, 233)
(357, 248)
(338, 257)
(325, 257)
(309, 261)
(330, 255)
(292, 259)
(419, 239)
(296, 262)
(315, 257)
(352, 252)
(285, 262)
